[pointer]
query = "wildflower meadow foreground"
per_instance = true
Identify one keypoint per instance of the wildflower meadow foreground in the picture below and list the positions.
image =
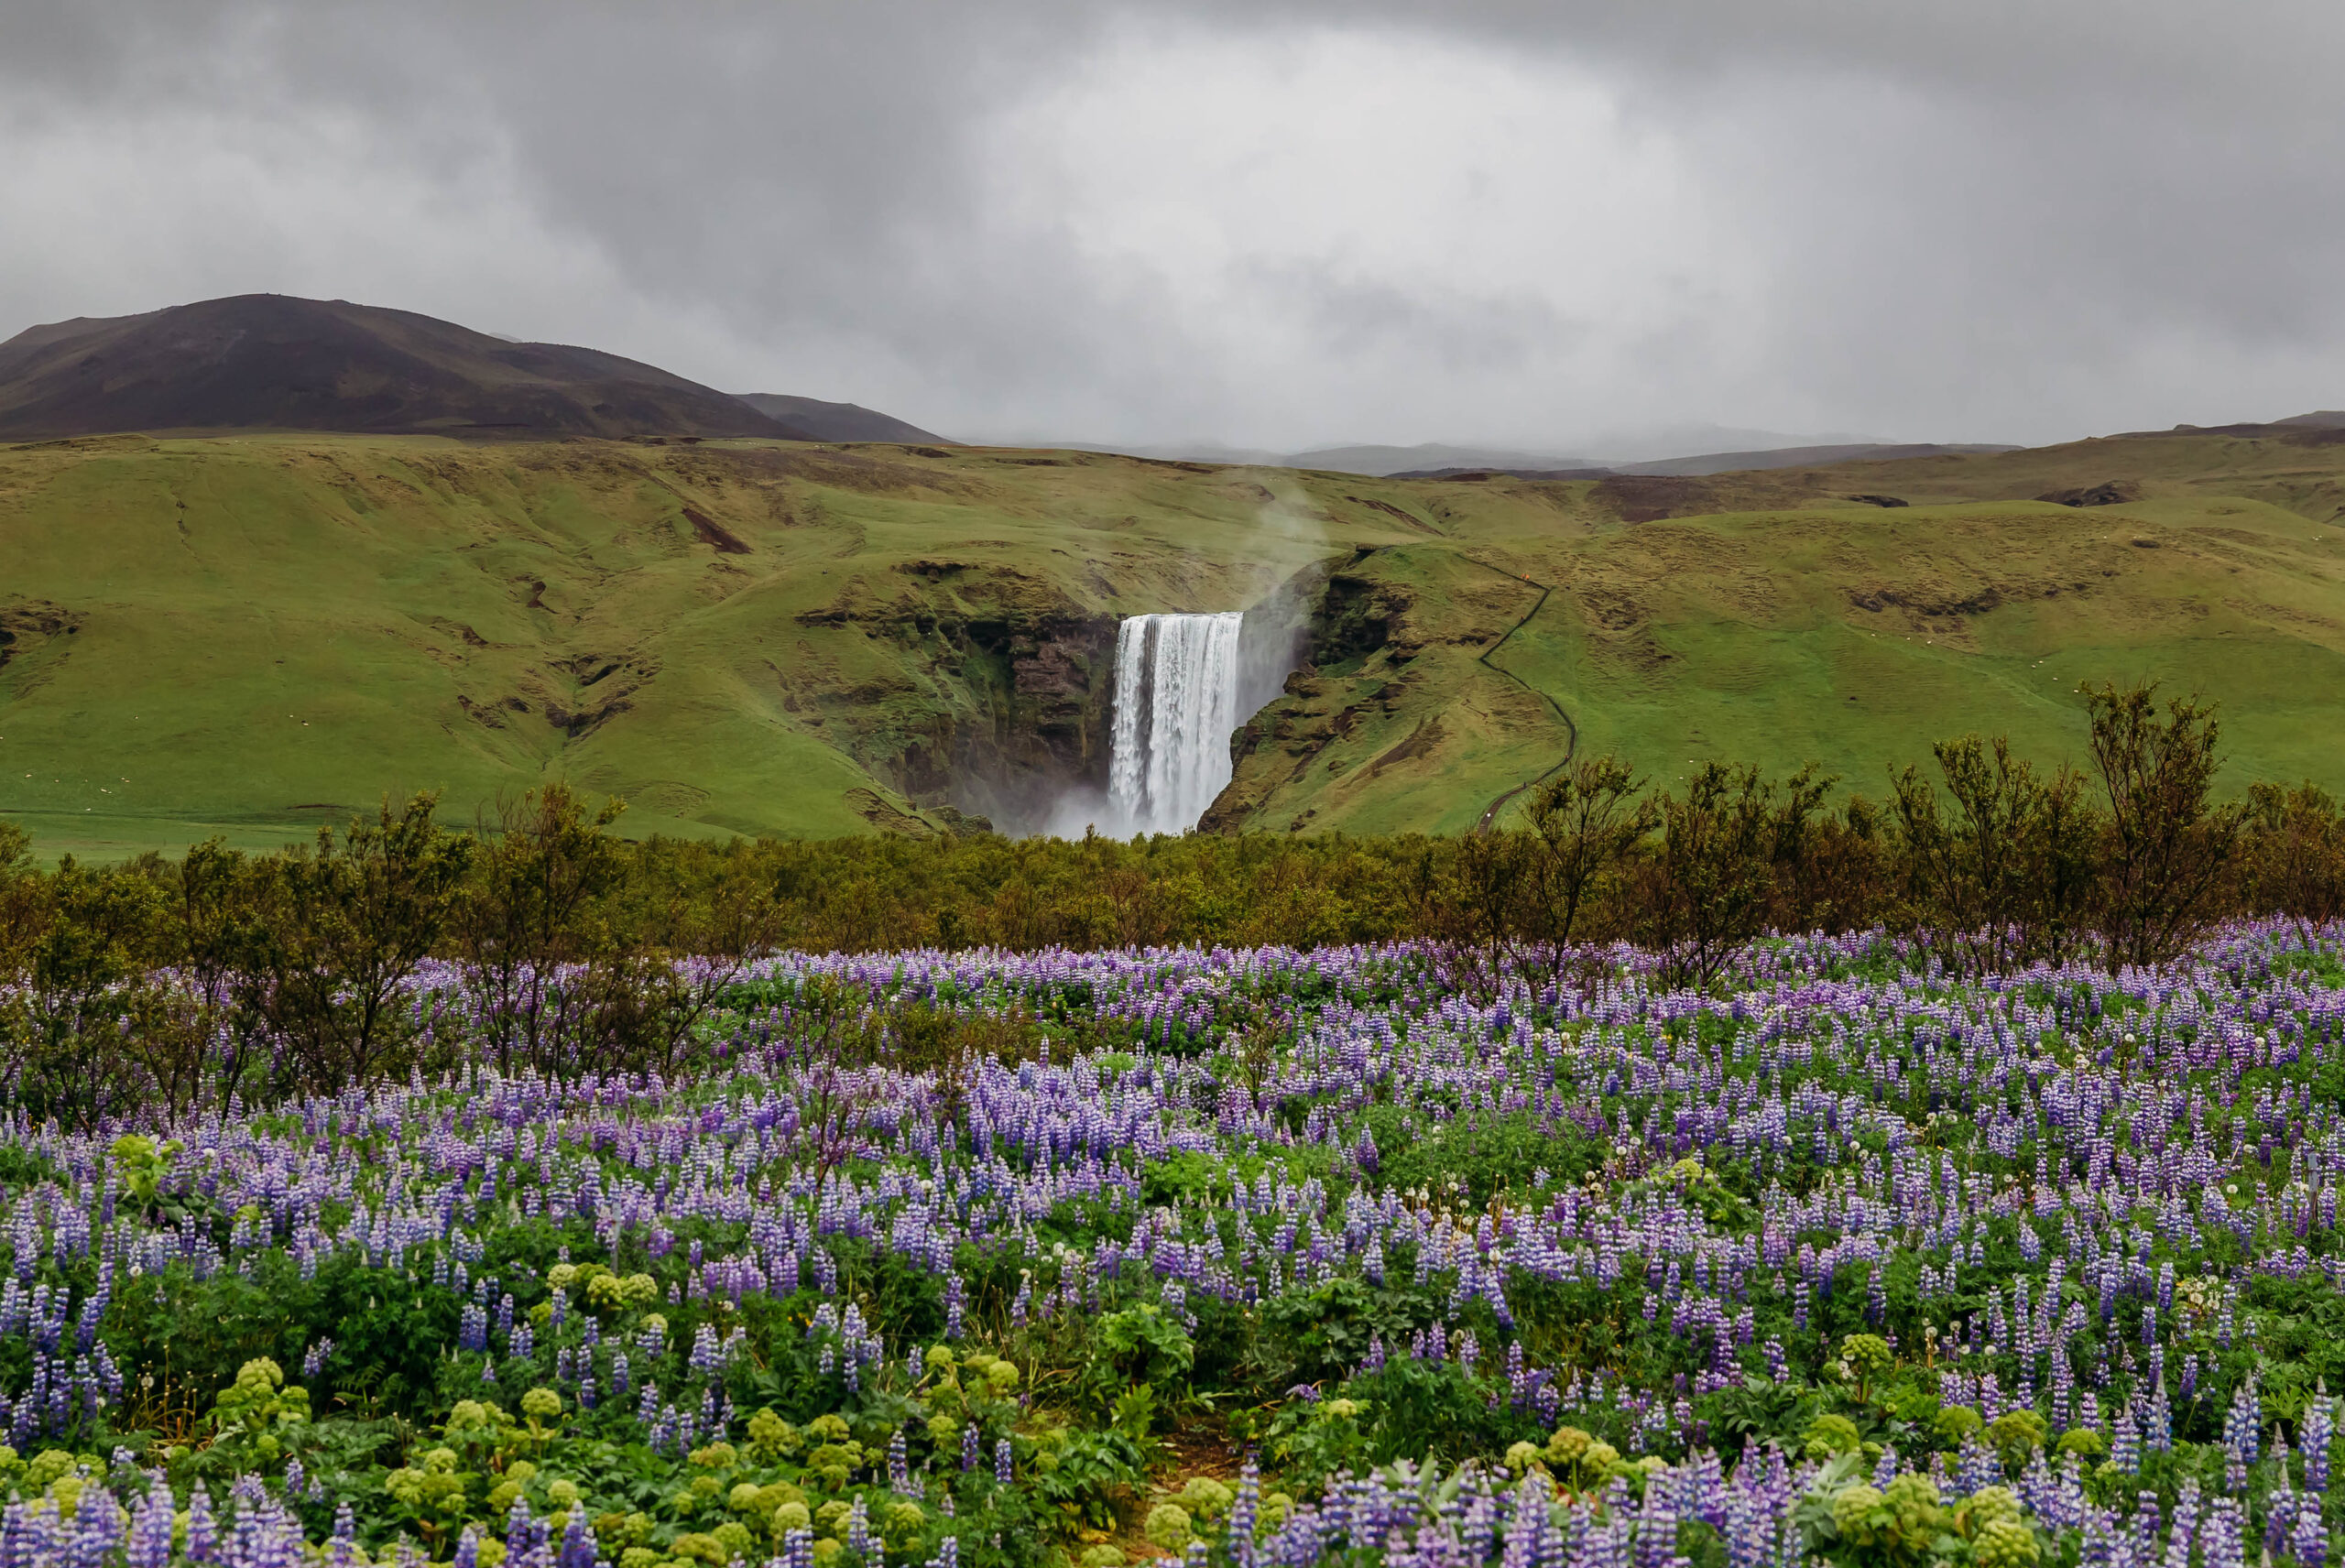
(1246, 1257)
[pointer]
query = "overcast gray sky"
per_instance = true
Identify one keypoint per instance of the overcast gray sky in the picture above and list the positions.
(1277, 223)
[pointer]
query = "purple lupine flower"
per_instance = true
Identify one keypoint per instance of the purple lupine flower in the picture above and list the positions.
(150, 1530)
(858, 1529)
(202, 1534)
(2309, 1539)
(579, 1547)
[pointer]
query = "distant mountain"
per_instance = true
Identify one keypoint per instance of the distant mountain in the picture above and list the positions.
(1679, 452)
(1797, 457)
(1624, 452)
(2315, 427)
(1710, 463)
(838, 422)
(1476, 471)
(1171, 452)
(1387, 459)
(1659, 443)
(273, 362)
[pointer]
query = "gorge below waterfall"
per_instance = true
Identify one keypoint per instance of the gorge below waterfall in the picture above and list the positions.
(1176, 702)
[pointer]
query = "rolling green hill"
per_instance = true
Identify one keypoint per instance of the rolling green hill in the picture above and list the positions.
(252, 635)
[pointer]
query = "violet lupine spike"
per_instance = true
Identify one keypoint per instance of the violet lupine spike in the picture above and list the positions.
(96, 1528)
(1239, 1535)
(2319, 1437)
(149, 1545)
(2280, 1513)
(517, 1528)
(2308, 1541)
(579, 1547)
(202, 1531)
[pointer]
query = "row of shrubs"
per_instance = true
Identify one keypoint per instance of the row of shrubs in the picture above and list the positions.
(161, 976)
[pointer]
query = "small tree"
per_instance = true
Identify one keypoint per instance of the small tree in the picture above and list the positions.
(88, 955)
(216, 942)
(2061, 869)
(22, 899)
(1961, 869)
(1837, 881)
(346, 925)
(1479, 911)
(2008, 874)
(16, 876)
(1803, 841)
(1586, 821)
(1709, 883)
(2294, 855)
(2168, 844)
(691, 921)
(530, 910)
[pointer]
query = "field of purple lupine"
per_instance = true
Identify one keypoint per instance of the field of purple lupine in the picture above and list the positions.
(1244, 1258)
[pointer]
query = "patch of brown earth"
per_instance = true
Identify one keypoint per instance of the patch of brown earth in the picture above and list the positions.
(715, 535)
(2113, 492)
(1648, 498)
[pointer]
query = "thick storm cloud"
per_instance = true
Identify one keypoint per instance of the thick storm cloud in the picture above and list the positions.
(1274, 224)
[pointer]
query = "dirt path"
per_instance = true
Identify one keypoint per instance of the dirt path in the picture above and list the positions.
(1490, 812)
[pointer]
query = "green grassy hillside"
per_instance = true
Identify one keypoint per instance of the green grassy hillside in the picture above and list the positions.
(253, 635)
(1767, 617)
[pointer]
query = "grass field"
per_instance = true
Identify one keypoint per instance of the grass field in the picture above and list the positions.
(1853, 640)
(251, 637)
(1851, 634)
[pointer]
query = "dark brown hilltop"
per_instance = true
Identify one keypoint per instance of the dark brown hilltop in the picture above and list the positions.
(274, 362)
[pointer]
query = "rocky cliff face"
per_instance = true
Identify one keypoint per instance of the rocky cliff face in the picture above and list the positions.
(978, 689)
(1031, 704)
(1394, 697)
(1351, 615)
(975, 688)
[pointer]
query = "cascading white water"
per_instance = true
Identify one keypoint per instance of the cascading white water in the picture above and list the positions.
(1176, 703)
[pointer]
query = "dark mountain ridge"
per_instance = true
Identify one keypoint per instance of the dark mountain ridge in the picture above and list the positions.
(839, 421)
(2319, 427)
(275, 361)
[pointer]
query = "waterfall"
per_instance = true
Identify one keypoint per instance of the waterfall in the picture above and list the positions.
(1176, 703)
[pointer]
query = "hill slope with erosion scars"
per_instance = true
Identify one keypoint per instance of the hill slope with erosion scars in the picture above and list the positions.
(254, 635)
(1849, 613)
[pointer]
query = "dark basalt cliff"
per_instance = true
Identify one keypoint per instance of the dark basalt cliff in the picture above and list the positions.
(992, 694)
(1039, 701)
